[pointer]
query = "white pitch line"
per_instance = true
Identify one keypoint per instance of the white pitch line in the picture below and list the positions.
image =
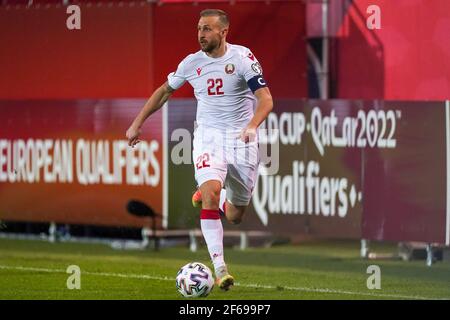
(103, 274)
(333, 291)
(250, 285)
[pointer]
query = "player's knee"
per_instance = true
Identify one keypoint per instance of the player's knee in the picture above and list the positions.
(235, 220)
(234, 214)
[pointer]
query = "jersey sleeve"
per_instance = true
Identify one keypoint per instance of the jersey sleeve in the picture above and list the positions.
(252, 72)
(178, 78)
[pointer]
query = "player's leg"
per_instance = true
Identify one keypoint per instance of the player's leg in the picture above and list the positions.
(241, 178)
(210, 222)
(210, 175)
(212, 230)
(197, 200)
(238, 195)
(234, 213)
(210, 193)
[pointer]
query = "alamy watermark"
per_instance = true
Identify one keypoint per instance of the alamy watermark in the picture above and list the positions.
(73, 21)
(374, 280)
(209, 146)
(74, 280)
(373, 21)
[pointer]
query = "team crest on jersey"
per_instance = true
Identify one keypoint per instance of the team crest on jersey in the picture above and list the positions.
(229, 68)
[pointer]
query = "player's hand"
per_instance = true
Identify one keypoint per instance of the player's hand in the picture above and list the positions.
(132, 135)
(248, 134)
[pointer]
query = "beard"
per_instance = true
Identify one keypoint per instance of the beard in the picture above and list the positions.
(209, 46)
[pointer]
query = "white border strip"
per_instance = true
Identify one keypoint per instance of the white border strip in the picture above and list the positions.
(247, 285)
(165, 140)
(447, 125)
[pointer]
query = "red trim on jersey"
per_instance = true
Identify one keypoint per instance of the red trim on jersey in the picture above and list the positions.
(209, 214)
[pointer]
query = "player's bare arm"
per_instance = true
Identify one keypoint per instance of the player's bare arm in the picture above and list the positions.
(263, 107)
(153, 104)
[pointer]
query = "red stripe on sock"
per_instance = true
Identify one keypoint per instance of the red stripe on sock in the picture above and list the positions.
(209, 214)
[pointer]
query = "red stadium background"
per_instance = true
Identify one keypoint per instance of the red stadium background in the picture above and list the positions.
(125, 50)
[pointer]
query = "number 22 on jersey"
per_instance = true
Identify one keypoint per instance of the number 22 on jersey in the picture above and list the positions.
(214, 87)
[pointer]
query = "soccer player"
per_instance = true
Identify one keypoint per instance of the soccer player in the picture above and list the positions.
(233, 100)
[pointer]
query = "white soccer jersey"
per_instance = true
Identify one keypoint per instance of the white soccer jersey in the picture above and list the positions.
(221, 86)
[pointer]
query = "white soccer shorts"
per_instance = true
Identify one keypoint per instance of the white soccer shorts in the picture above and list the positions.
(221, 155)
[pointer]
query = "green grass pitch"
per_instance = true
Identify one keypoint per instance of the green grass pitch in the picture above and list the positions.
(319, 270)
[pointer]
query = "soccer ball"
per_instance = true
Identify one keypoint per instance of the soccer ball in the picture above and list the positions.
(194, 280)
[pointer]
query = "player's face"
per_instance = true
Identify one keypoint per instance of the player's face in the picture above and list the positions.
(210, 33)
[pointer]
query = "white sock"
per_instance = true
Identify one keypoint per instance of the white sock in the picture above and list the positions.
(212, 230)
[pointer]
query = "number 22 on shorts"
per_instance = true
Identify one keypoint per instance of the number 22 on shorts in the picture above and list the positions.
(202, 161)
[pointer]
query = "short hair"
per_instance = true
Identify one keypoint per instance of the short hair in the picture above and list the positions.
(223, 17)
